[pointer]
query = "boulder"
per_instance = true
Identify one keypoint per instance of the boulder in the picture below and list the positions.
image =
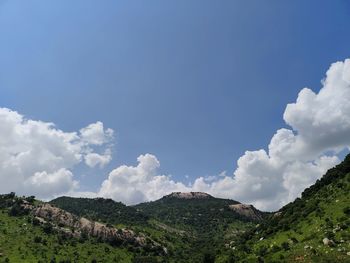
(328, 242)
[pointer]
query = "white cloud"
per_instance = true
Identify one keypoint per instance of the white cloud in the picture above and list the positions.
(94, 159)
(134, 184)
(37, 158)
(46, 184)
(95, 134)
(296, 157)
(323, 120)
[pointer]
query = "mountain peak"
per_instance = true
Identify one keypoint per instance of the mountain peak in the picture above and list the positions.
(189, 195)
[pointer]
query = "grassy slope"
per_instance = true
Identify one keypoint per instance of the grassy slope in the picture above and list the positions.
(20, 241)
(108, 211)
(208, 223)
(296, 235)
(188, 228)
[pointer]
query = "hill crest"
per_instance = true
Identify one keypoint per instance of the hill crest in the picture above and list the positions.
(189, 195)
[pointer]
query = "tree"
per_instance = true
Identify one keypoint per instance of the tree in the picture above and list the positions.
(208, 258)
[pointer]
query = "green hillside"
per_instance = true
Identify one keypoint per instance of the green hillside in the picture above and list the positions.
(207, 221)
(23, 240)
(201, 216)
(103, 210)
(313, 228)
(192, 227)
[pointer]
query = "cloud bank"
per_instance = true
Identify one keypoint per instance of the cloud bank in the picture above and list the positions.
(135, 184)
(295, 158)
(37, 158)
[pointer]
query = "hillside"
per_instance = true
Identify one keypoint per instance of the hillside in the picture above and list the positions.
(24, 239)
(187, 224)
(33, 231)
(180, 227)
(102, 210)
(198, 212)
(313, 228)
(207, 221)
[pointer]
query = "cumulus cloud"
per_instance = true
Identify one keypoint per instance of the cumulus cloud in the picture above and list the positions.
(95, 159)
(322, 120)
(134, 184)
(56, 183)
(295, 158)
(37, 158)
(95, 134)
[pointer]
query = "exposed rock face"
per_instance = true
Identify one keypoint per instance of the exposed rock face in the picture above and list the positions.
(247, 211)
(190, 195)
(277, 214)
(83, 226)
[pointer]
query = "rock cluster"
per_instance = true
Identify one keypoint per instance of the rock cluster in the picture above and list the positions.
(77, 227)
(247, 211)
(190, 195)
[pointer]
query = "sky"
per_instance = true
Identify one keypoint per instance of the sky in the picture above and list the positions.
(132, 100)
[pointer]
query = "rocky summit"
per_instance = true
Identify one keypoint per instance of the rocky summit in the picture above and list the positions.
(190, 195)
(247, 211)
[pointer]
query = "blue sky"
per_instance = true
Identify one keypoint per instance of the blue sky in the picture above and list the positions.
(196, 83)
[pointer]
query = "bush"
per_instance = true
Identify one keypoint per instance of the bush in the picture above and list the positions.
(17, 210)
(346, 210)
(208, 258)
(285, 246)
(262, 251)
(47, 227)
(37, 239)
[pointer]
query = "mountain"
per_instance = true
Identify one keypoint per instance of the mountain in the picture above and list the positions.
(102, 210)
(313, 228)
(180, 227)
(207, 222)
(198, 212)
(184, 223)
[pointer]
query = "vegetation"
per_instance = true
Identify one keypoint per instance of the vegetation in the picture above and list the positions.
(22, 239)
(200, 216)
(189, 228)
(313, 228)
(102, 210)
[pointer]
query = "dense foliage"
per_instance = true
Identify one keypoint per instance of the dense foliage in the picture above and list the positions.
(103, 210)
(201, 216)
(191, 229)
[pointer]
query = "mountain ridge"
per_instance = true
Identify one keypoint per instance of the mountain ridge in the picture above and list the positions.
(189, 195)
(181, 227)
(313, 228)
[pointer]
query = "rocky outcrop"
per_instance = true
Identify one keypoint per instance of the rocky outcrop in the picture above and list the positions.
(189, 195)
(328, 242)
(79, 227)
(248, 211)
